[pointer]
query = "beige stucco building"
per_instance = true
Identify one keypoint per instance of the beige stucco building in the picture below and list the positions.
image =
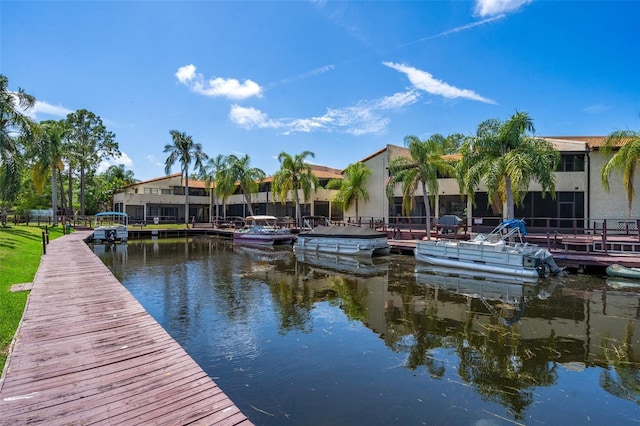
(162, 199)
(579, 192)
(580, 201)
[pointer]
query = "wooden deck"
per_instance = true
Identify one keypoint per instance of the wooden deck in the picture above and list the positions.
(86, 352)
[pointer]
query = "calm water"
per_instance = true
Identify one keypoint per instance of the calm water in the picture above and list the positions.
(326, 341)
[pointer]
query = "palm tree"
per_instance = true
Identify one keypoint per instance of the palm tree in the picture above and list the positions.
(294, 174)
(506, 160)
(420, 171)
(352, 186)
(13, 124)
(119, 176)
(212, 178)
(239, 171)
(48, 153)
(626, 161)
(184, 150)
(113, 180)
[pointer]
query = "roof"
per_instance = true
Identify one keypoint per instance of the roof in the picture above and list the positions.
(154, 180)
(593, 142)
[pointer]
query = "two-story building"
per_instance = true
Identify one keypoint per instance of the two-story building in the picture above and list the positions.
(579, 191)
(162, 200)
(579, 195)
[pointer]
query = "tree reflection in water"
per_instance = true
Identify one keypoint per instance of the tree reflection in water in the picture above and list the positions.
(509, 343)
(624, 381)
(293, 301)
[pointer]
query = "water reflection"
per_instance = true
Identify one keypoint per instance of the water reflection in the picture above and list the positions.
(317, 339)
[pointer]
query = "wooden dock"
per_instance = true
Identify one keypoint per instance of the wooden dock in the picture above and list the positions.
(86, 352)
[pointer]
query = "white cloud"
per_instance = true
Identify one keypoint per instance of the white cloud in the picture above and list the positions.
(250, 117)
(153, 160)
(123, 159)
(498, 7)
(425, 81)
(217, 87)
(41, 107)
(362, 118)
(398, 100)
(596, 109)
(312, 73)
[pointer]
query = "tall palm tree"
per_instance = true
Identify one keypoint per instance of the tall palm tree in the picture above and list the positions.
(213, 178)
(48, 152)
(239, 171)
(13, 125)
(295, 174)
(626, 161)
(184, 151)
(506, 160)
(420, 171)
(352, 187)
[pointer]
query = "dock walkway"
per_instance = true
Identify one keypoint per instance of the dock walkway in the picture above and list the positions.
(86, 352)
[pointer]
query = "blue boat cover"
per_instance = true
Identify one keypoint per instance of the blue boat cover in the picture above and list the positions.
(515, 223)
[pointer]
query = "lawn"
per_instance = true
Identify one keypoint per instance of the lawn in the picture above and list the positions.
(20, 253)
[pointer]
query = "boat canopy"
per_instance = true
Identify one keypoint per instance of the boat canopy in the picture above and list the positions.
(111, 214)
(260, 217)
(515, 223)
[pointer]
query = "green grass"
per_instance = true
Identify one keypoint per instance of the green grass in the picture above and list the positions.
(20, 253)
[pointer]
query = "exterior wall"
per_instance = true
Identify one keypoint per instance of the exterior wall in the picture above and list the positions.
(378, 205)
(612, 204)
(599, 204)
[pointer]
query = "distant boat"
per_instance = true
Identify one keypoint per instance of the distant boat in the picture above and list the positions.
(620, 271)
(492, 254)
(262, 230)
(343, 240)
(110, 227)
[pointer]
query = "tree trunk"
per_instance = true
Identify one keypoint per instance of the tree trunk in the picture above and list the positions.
(247, 198)
(296, 197)
(54, 194)
(509, 195)
(186, 199)
(70, 212)
(427, 209)
(81, 190)
(63, 203)
(357, 211)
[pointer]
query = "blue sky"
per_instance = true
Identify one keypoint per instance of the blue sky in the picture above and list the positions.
(340, 79)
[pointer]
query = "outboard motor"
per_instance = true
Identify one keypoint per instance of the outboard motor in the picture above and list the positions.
(548, 262)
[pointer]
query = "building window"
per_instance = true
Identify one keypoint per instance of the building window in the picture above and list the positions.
(166, 191)
(151, 191)
(571, 163)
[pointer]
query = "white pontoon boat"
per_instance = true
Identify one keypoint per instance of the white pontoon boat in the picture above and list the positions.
(110, 227)
(496, 253)
(262, 230)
